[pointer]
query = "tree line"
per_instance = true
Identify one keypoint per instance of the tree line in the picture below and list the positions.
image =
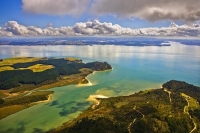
(14, 78)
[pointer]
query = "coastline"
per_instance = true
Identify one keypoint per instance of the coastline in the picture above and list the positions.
(74, 79)
(85, 84)
(95, 100)
(145, 104)
(89, 83)
(43, 101)
(43, 87)
(16, 108)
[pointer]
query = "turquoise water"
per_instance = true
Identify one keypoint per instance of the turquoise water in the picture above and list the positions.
(135, 69)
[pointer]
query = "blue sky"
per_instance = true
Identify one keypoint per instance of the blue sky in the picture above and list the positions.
(11, 10)
(99, 18)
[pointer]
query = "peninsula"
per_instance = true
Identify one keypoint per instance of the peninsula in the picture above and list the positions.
(24, 79)
(174, 108)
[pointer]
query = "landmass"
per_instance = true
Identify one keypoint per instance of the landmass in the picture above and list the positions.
(174, 108)
(24, 80)
(90, 41)
(86, 41)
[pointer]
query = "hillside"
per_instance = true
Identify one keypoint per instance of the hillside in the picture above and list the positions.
(174, 108)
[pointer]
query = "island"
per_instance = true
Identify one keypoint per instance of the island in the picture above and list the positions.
(173, 108)
(24, 80)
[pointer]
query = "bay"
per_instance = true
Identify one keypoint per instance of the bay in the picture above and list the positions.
(134, 69)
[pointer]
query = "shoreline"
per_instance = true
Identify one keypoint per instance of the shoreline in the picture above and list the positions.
(94, 99)
(63, 82)
(85, 84)
(17, 93)
(141, 100)
(90, 83)
(43, 101)
(22, 107)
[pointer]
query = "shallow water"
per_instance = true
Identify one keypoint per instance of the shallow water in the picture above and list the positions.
(135, 69)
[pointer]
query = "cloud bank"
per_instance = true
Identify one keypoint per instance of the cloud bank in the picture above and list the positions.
(91, 28)
(55, 7)
(151, 10)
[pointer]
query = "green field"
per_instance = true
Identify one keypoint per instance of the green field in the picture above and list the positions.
(38, 67)
(6, 64)
(11, 61)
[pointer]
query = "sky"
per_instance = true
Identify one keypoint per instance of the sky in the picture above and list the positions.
(133, 14)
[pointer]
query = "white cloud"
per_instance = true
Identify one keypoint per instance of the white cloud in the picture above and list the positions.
(3, 32)
(98, 28)
(12, 28)
(55, 7)
(152, 10)
(21, 30)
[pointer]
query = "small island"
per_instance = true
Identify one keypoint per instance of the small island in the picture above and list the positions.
(174, 108)
(24, 80)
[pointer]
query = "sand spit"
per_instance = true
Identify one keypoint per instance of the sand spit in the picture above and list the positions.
(94, 99)
(88, 84)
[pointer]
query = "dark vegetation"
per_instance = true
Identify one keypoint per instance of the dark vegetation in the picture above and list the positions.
(16, 78)
(26, 100)
(98, 66)
(1, 101)
(100, 125)
(145, 112)
(195, 113)
(183, 87)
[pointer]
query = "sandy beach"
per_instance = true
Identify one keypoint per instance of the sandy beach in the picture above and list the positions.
(94, 99)
(88, 84)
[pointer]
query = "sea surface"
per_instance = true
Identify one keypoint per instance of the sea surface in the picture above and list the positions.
(134, 69)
